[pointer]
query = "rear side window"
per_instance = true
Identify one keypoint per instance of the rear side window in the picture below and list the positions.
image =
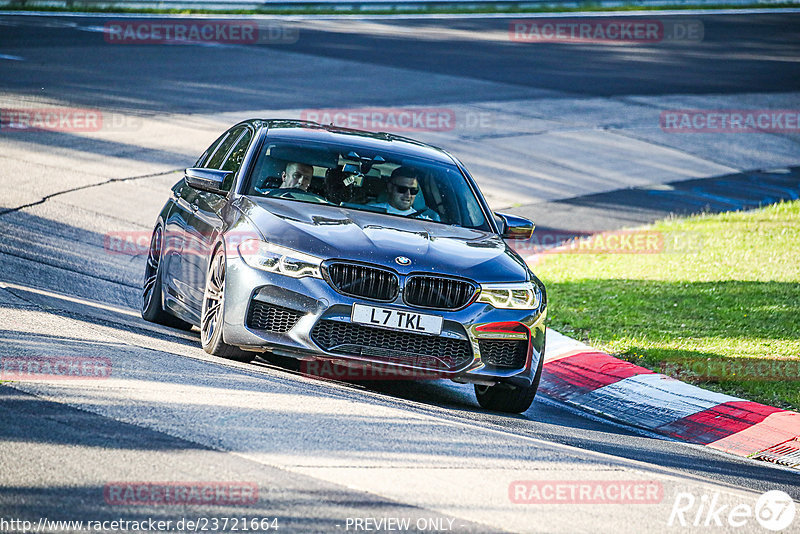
(222, 149)
(235, 158)
(201, 161)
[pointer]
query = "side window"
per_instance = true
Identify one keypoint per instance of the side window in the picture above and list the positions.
(222, 149)
(201, 162)
(235, 157)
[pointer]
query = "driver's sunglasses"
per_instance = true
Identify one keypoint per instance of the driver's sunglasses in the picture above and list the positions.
(402, 189)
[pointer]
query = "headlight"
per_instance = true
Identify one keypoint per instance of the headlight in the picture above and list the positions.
(517, 296)
(280, 260)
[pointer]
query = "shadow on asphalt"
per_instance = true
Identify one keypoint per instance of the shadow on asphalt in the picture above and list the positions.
(102, 148)
(727, 60)
(301, 503)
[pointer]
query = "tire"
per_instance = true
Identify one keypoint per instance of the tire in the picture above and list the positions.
(212, 316)
(151, 286)
(507, 398)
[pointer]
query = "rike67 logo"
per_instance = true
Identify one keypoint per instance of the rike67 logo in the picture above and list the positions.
(774, 510)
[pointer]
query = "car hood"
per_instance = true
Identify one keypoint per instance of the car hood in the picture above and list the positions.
(332, 232)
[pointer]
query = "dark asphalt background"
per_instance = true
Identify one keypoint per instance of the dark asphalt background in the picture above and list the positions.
(738, 54)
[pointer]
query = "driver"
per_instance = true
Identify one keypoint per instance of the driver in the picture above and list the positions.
(297, 176)
(402, 189)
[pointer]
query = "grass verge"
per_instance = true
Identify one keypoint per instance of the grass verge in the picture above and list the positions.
(719, 305)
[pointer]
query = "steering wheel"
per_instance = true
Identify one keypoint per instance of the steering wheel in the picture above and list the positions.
(297, 194)
(418, 212)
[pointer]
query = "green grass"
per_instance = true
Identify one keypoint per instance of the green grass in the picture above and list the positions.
(80, 7)
(734, 299)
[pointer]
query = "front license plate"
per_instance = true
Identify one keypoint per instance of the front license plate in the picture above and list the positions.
(397, 319)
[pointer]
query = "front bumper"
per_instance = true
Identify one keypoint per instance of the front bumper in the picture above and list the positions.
(316, 303)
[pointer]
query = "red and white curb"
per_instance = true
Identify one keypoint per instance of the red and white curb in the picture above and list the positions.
(594, 381)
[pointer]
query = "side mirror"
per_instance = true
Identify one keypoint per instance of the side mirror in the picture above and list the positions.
(515, 227)
(210, 180)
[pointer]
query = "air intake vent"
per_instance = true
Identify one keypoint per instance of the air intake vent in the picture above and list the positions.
(504, 354)
(436, 292)
(417, 350)
(358, 280)
(263, 316)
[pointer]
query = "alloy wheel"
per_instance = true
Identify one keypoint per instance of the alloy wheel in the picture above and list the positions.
(213, 300)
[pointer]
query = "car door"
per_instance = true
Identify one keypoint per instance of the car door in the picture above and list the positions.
(176, 287)
(205, 221)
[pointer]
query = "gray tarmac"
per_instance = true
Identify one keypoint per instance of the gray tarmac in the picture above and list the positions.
(538, 124)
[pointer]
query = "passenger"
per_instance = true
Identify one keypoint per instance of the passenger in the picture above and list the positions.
(402, 189)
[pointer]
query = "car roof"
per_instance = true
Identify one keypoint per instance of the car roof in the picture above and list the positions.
(312, 131)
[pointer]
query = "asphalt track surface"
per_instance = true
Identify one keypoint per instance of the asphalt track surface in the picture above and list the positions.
(320, 452)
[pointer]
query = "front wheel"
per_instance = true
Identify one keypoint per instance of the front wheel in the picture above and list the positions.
(505, 398)
(211, 318)
(508, 398)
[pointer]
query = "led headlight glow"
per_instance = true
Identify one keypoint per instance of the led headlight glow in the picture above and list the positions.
(516, 296)
(280, 260)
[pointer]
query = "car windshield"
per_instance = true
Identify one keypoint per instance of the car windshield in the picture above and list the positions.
(366, 180)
